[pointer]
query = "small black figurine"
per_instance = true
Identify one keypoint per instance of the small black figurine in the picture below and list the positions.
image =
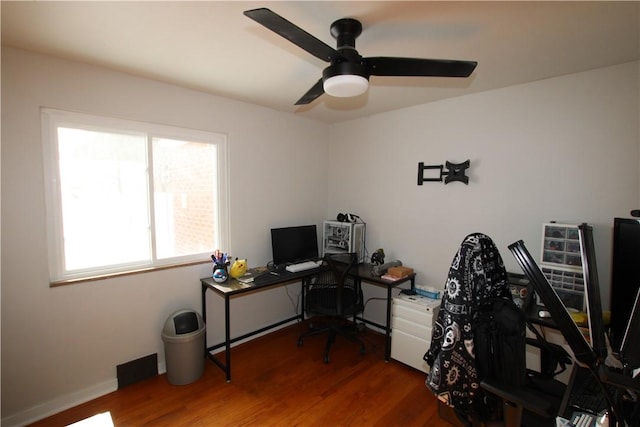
(378, 257)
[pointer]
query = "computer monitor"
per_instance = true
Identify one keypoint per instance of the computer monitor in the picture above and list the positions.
(592, 291)
(294, 244)
(582, 351)
(625, 275)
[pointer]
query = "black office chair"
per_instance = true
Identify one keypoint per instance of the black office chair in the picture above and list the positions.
(335, 297)
(477, 275)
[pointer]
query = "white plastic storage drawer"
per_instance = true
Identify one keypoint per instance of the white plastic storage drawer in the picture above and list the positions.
(420, 330)
(417, 302)
(409, 350)
(421, 317)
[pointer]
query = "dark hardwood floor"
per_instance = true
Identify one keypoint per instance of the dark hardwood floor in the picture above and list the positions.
(276, 383)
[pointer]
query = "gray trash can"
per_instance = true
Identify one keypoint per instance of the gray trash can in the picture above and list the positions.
(184, 337)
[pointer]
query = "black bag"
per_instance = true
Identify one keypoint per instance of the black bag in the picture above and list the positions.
(499, 342)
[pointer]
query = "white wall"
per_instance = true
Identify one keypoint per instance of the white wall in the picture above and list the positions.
(559, 149)
(61, 345)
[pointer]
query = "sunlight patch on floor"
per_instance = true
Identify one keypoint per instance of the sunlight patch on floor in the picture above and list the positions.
(98, 420)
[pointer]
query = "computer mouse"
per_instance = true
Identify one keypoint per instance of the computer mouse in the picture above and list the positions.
(543, 314)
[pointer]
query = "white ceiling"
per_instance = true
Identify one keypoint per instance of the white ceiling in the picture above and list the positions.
(211, 46)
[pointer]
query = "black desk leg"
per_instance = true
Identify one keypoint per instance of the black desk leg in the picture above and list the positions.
(302, 289)
(387, 341)
(204, 317)
(227, 338)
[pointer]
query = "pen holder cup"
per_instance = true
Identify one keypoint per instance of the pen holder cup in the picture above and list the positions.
(220, 273)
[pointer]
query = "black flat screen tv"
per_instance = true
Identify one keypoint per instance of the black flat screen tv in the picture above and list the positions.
(625, 275)
(294, 244)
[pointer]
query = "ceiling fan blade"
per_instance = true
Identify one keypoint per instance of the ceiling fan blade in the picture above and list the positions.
(312, 94)
(293, 33)
(390, 66)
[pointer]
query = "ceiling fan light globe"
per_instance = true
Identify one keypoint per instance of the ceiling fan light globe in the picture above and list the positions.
(345, 85)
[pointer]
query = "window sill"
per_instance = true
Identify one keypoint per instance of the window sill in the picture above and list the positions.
(66, 282)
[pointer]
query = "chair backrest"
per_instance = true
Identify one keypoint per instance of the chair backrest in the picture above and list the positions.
(335, 291)
(477, 274)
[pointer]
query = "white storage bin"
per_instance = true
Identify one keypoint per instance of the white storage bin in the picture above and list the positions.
(411, 328)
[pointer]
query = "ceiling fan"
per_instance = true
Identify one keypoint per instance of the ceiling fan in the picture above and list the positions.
(348, 75)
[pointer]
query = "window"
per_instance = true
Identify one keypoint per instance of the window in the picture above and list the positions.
(125, 195)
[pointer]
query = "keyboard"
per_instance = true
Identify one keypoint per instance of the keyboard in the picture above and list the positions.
(583, 419)
(307, 265)
(587, 394)
(266, 279)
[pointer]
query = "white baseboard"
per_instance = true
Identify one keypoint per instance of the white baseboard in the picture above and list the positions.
(59, 404)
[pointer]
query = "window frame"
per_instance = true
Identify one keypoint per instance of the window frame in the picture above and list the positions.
(52, 119)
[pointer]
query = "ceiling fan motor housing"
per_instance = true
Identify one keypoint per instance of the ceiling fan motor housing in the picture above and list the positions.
(346, 76)
(345, 66)
(347, 60)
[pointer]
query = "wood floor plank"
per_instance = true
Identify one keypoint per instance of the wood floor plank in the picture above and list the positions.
(277, 383)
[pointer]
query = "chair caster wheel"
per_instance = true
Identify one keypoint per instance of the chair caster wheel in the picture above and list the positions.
(326, 359)
(299, 342)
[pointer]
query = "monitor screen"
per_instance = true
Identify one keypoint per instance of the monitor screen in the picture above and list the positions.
(625, 275)
(294, 244)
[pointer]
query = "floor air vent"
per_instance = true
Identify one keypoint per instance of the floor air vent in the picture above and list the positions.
(137, 370)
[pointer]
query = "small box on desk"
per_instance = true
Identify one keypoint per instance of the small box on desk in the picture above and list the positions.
(400, 272)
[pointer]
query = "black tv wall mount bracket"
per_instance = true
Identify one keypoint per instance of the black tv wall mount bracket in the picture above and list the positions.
(454, 172)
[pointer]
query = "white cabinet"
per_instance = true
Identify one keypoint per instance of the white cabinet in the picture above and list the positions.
(412, 318)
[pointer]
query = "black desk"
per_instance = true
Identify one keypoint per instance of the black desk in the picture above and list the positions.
(234, 288)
